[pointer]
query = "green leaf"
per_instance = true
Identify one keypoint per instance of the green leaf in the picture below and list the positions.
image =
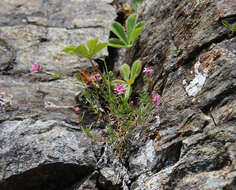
(99, 47)
(117, 43)
(135, 34)
(93, 48)
(125, 72)
(131, 81)
(78, 76)
(128, 92)
(114, 82)
(136, 69)
(69, 49)
(134, 4)
(234, 29)
(56, 75)
(86, 130)
(119, 31)
(130, 24)
(92, 45)
(82, 51)
(227, 25)
(140, 25)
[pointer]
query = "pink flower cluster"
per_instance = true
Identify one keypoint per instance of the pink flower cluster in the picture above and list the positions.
(36, 67)
(156, 98)
(77, 109)
(148, 71)
(96, 77)
(120, 89)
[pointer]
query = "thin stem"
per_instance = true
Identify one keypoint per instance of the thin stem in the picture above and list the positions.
(108, 76)
(96, 69)
(107, 83)
(129, 56)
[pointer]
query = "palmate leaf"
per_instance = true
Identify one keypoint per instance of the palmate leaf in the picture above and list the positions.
(92, 45)
(125, 72)
(136, 69)
(119, 31)
(126, 39)
(136, 33)
(99, 47)
(93, 48)
(69, 49)
(117, 43)
(82, 51)
(130, 24)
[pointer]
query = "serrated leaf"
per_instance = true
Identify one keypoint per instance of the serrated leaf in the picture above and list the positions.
(69, 49)
(82, 51)
(130, 24)
(99, 47)
(234, 29)
(117, 43)
(136, 69)
(92, 45)
(128, 92)
(135, 34)
(119, 31)
(125, 72)
(140, 24)
(226, 24)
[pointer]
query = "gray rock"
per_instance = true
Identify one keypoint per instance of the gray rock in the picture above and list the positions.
(43, 155)
(144, 160)
(38, 31)
(187, 142)
(193, 140)
(43, 28)
(43, 100)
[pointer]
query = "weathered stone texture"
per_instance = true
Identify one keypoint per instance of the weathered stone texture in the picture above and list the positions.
(194, 146)
(188, 142)
(41, 147)
(36, 154)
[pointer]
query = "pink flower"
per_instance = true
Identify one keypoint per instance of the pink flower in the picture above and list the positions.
(120, 89)
(96, 77)
(148, 71)
(36, 67)
(77, 109)
(156, 98)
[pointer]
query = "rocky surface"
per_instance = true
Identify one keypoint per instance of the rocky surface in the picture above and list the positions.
(42, 146)
(43, 155)
(194, 146)
(38, 31)
(188, 142)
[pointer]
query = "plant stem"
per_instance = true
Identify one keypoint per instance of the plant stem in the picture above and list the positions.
(129, 56)
(109, 82)
(103, 78)
(96, 69)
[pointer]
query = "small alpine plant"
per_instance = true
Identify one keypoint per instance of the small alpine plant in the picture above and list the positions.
(111, 97)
